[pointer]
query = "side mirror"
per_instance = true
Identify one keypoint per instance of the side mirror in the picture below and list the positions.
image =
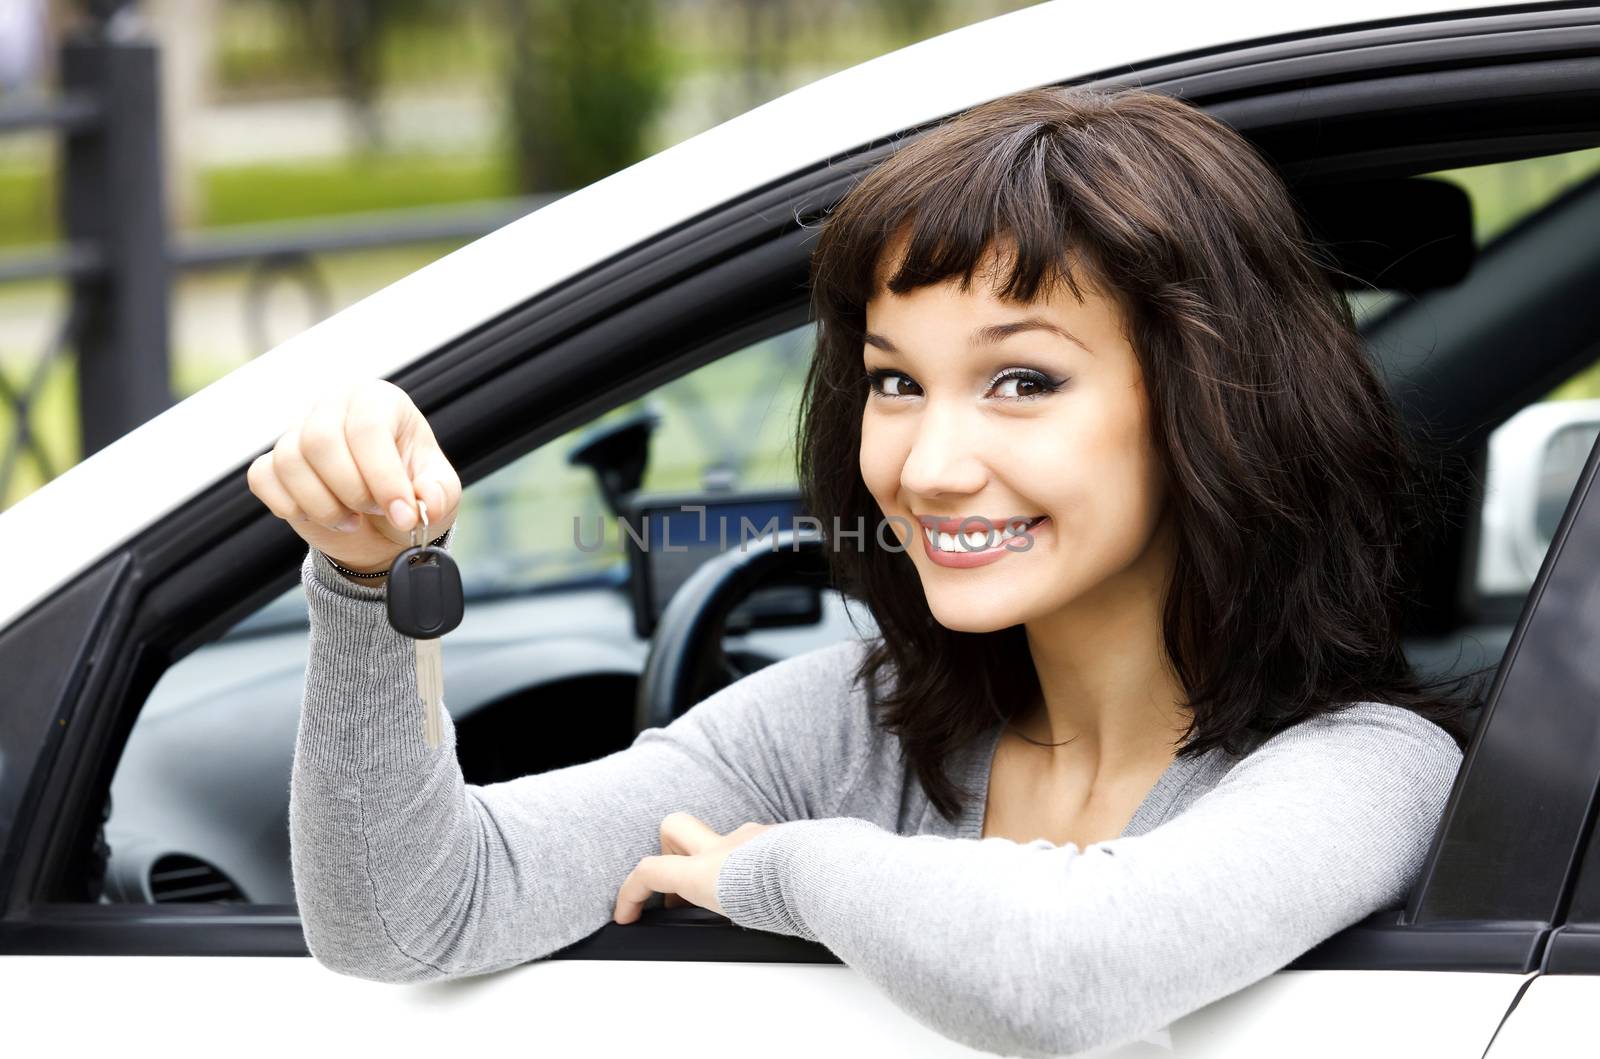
(1535, 458)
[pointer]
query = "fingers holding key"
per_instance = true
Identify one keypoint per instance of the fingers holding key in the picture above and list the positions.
(438, 484)
(325, 446)
(434, 478)
(348, 476)
(379, 427)
(305, 486)
(265, 484)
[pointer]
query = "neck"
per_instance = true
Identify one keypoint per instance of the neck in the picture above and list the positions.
(1107, 687)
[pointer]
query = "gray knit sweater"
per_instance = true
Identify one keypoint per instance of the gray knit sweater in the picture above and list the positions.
(1229, 869)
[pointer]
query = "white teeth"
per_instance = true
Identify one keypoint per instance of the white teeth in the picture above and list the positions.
(975, 539)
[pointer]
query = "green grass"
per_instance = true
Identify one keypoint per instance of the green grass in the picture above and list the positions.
(256, 193)
(362, 183)
(27, 206)
(54, 420)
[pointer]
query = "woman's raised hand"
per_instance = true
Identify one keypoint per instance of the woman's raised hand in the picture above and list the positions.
(347, 478)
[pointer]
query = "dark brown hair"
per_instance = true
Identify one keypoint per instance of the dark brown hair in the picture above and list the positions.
(1293, 482)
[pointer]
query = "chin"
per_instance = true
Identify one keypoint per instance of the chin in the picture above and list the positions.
(958, 617)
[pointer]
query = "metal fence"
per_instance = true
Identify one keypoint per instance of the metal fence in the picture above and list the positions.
(119, 257)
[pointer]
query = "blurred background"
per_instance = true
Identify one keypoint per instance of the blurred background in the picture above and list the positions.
(186, 183)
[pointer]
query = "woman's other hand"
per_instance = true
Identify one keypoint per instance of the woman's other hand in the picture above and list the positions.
(686, 869)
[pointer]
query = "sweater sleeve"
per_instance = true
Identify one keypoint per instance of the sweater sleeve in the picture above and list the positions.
(1037, 949)
(403, 872)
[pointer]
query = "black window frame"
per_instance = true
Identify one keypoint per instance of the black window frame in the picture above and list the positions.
(1567, 692)
(712, 285)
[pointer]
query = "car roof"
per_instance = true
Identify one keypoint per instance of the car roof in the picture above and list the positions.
(88, 511)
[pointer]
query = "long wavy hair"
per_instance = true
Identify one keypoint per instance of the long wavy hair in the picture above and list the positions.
(1294, 483)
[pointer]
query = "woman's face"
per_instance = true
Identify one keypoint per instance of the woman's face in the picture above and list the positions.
(980, 409)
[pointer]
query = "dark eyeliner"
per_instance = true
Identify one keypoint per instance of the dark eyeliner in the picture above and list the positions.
(874, 379)
(1047, 384)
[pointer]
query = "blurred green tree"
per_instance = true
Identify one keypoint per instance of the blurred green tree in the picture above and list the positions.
(584, 83)
(911, 20)
(767, 29)
(347, 38)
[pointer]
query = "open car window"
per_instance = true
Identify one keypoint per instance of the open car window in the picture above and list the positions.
(1536, 455)
(198, 808)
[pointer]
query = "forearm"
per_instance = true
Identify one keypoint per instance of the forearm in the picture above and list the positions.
(405, 873)
(951, 930)
(1038, 949)
(388, 844)
(354, 750)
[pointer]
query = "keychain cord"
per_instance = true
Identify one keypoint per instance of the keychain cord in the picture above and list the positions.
(384, 573)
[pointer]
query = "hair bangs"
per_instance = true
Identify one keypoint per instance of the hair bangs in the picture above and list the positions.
(999, 217)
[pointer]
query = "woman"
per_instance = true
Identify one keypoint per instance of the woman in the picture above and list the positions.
(1141, 740)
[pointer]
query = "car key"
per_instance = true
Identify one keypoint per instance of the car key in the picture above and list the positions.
(425, 601)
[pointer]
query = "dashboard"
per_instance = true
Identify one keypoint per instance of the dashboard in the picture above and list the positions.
(200, 799)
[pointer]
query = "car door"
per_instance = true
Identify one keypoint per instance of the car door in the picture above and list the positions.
(1553, 1013)
(91, 655)
(1522, 808)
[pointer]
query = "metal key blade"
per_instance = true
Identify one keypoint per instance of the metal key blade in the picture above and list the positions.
(430, 689)
(424, 602)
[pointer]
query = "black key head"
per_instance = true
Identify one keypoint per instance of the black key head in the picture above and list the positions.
(425, 598)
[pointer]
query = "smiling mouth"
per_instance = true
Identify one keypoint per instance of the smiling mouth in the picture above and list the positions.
(976, 539)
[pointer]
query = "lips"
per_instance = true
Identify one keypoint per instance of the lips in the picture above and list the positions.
(964, 555)
(978, 523)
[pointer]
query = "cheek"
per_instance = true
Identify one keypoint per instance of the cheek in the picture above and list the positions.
(1105, 478)
(878, 460)
(1138, 488)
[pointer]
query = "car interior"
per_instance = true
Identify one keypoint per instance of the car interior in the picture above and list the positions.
(595, 617)
(1451, 210)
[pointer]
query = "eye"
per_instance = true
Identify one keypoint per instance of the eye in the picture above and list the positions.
(1030, 383)
(878, 378)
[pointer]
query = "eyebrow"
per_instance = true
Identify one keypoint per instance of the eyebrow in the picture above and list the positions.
(993, 333)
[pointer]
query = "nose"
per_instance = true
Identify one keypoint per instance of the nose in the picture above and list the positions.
(946, 456)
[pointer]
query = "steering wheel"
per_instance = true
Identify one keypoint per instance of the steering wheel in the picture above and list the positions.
(686, 662)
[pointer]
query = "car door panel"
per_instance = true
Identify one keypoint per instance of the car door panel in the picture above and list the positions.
(583, 1007)
(1343, 1014)
(558, 1008)
(1555, 1016)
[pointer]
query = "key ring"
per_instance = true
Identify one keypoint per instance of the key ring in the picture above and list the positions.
(419, 535)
